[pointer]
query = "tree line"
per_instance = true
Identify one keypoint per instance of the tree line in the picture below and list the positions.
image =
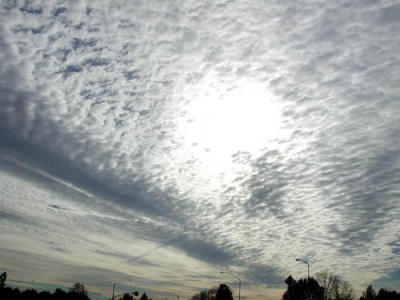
(330, 287)
(223, 292)
(323, 287)
(76, 292)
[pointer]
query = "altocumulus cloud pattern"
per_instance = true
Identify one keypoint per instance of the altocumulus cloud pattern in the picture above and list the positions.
(162, 141)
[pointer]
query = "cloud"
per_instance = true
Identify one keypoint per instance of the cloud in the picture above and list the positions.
(264, 275)
(102, 142)
(93, 277)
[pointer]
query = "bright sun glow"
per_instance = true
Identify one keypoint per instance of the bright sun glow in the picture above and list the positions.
(221, 122)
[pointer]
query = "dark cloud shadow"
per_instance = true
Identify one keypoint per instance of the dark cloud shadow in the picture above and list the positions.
(266, 186)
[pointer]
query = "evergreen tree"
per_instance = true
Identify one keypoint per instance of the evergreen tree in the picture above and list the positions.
(144, 297)
(304, 289)
(224, 292)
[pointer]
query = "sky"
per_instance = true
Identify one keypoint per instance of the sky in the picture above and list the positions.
(157, 143)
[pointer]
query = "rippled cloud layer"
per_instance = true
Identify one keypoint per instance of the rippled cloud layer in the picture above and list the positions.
(168, 140)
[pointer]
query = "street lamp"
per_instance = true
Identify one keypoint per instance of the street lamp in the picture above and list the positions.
(308, 266)
(240, 282)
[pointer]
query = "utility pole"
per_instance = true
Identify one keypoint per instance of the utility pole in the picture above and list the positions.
(113, 290)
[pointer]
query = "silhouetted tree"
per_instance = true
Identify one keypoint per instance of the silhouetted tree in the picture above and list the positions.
(127, 296)
(144, 297)
(78, 291)
(369, 293)
(329, 283)
(59, 294)
(10, 293)
(30, 294)
(3, 278)
(45, 295)
(334, 287)
(205, 295)
(385, 294)
(304, 289)
(78, 288)
(224, 292)
(345, 291)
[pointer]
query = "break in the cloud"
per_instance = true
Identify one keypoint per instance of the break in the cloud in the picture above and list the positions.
(152, 138)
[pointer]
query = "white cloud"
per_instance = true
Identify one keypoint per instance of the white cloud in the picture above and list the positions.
(105, 98)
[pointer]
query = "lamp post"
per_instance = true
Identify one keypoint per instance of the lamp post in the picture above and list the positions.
(308, 266)
(240, 282)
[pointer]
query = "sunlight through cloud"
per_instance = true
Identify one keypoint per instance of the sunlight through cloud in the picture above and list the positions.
(222, 120)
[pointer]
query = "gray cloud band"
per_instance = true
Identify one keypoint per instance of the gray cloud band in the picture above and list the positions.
(99, 110)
